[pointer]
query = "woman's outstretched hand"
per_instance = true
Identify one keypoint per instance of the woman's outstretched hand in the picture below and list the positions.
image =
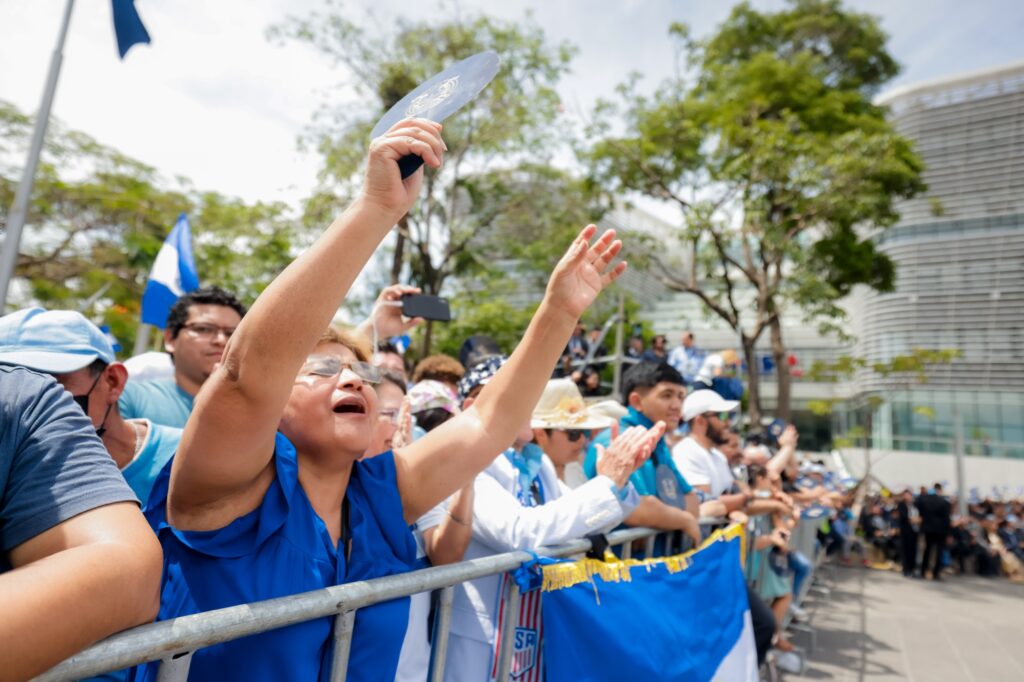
(384, 188)
(584, 271)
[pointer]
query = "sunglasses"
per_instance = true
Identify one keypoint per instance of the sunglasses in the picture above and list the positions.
(330, 366)
(573, 435)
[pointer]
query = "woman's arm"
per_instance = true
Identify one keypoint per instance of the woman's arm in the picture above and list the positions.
(450, 456)
(446, 542)
(226, 449)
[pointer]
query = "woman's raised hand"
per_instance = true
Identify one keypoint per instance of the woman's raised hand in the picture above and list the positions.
(384, 189)
(584, 271)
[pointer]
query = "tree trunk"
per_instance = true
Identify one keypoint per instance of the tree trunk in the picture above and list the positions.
(428, 333)
(399, 258)
(753, 382)
(783, 378)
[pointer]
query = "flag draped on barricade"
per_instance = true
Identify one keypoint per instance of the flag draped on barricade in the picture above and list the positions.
(173, 274)
(679, 618)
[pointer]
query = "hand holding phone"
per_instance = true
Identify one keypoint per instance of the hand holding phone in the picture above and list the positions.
(427, 307)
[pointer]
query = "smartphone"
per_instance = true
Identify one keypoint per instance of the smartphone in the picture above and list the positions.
(426, 306)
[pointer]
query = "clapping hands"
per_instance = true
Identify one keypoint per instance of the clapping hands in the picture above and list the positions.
(627, 452)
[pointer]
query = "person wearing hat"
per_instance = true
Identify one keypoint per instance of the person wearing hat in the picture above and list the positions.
(697, 456)
(519, 503)
(65, 345)
(77, 560)
(561, 425)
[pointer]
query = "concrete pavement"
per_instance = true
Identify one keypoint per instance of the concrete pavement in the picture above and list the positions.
(878, 625)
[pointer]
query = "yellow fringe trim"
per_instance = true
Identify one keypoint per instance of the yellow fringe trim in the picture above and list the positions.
(614, 570)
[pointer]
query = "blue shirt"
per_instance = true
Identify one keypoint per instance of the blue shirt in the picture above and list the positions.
(162, 401)
(141, 472)
(645, 478)
(282, 548)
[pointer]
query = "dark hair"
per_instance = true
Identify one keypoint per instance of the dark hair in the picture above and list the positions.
(96, 367)
(644, 376)
(389, 377)
(177, 318)
(938, 486)
(387, 347)
(428, 420)
(754, 472)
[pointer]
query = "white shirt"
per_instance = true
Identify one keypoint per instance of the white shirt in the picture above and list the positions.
(702, 467)
(502, 524)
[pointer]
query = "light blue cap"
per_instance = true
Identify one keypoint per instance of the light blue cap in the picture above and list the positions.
(52, 341)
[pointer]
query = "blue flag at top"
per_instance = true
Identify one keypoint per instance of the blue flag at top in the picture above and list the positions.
(128, 26)
(173, 274)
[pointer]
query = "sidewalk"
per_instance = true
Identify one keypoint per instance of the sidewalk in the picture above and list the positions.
(882, 626)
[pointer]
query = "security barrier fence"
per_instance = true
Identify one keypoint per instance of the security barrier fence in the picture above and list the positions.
(172, 642)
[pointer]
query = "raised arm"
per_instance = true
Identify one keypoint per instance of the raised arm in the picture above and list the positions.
(449, 457)
(227, 445)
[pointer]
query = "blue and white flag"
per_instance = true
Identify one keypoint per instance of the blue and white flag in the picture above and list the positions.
(678, 619)
(173, 274)
(128, 26)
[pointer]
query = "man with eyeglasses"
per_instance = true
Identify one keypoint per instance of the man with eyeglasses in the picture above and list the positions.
(198, 328)
(75, 352)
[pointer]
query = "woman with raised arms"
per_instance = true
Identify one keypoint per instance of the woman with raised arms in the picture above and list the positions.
(267, 494)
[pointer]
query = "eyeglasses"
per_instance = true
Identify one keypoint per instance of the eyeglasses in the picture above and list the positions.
(330, 366)
(725, 417)
(209, 331)
(573, 435)
(83, 400)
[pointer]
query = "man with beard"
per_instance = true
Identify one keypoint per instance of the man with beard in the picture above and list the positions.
(696, 456)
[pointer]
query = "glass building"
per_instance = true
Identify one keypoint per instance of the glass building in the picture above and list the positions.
(959, 250)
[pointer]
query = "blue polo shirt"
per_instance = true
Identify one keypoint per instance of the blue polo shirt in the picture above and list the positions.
(161, 401)
(645, 478)
(282, 548)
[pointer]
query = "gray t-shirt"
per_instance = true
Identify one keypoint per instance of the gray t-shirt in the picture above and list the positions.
(52, 465)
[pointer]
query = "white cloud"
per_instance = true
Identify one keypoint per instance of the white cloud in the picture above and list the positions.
(213, 100)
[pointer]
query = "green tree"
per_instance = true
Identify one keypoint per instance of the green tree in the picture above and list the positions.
(98, 218)
(769, 145)
(475, 208)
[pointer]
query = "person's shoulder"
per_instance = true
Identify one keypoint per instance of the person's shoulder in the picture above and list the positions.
(688, 448)
(21, 383)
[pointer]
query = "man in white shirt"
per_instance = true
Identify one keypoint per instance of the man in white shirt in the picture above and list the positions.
(698, 461)
(519, 503)
(687, 358)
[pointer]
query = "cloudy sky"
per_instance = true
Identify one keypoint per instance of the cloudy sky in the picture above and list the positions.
(212, 100)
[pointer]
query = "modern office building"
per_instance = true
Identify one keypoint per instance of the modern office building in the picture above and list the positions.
(959, 250)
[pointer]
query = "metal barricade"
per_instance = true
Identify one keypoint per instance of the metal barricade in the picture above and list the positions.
(172, 642)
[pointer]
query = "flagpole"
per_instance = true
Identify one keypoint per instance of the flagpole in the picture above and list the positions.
(142, 333)
(19, 210)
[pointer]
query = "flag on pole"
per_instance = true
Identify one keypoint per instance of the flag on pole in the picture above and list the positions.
(128, 26)
(683, 618)
(173, 274)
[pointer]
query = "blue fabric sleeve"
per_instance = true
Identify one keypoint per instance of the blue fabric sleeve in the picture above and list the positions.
(590, 459)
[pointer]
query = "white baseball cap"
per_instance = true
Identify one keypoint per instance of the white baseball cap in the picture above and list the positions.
(705, 400)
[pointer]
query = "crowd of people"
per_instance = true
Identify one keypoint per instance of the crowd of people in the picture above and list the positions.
(275, 453)
(924, 535)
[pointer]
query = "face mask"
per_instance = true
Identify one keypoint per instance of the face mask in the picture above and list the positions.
(762, 494)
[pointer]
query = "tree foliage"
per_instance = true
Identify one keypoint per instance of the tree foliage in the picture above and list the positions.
(498, 196)
(98, 218)
(771, 148)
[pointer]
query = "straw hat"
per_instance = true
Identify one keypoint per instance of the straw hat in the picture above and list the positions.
(561, 407)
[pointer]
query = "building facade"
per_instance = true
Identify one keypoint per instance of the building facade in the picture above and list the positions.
(959, 250)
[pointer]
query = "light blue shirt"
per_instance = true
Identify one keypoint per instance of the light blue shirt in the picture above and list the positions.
(687, 361)
(161, 443)
(161, 401)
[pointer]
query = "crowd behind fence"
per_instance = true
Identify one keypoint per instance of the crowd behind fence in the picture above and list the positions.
(173, 642)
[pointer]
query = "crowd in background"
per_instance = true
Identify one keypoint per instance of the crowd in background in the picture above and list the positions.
(273, 453)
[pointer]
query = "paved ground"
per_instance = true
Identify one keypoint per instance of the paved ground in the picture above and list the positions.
(879, 625)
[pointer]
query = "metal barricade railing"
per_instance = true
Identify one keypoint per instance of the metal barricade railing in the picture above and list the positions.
(174, 641)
